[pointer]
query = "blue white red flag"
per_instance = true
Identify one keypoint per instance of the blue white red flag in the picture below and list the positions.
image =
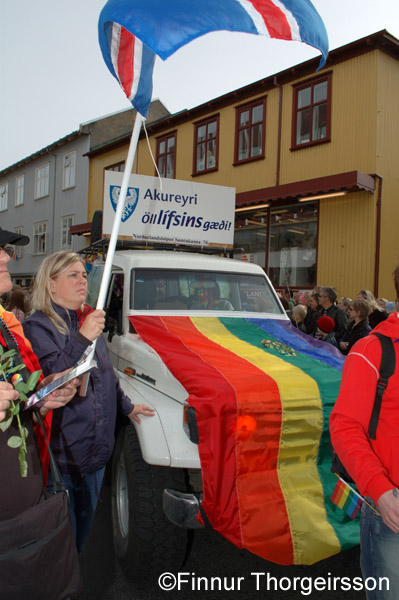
(131, 32)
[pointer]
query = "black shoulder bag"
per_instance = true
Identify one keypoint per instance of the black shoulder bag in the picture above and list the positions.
(38, 555)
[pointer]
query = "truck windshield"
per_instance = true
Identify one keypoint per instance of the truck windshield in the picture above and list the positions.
(166, 290)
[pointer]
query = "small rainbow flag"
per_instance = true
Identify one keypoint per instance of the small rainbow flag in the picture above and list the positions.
(346, 498)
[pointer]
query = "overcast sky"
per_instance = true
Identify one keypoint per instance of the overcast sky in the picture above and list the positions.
(53, 76)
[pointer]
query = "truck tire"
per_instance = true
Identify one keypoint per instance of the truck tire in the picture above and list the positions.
(146, 543)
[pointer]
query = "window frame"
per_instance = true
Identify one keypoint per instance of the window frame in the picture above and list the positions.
(19, 201)
(67, 247)
(116, 167)
(4, 186)
(46, 192)
(69, 168)
(35, 238)
(206, 122)
(240, 109)
(296, 89)
(18, 249)
(158, 154)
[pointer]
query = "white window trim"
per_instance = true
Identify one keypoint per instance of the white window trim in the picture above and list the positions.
(35, 234)
(64, 167)
(18, 249)
(67, 247)
(37, 197)
(5, 187)
(17, 188)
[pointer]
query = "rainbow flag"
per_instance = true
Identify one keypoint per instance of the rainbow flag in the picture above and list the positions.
(262, 394)
(346, 498)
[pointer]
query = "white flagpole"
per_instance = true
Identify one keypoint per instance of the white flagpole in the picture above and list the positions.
(114, 234)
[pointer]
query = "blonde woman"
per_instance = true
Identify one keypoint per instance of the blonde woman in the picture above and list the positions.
(60, 329)
(345, 303)
(298, 316)
(377, 314)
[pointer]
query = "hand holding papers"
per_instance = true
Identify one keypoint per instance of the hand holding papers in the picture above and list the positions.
(83, 366)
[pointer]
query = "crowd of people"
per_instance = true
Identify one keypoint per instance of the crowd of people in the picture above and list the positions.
(337, 321)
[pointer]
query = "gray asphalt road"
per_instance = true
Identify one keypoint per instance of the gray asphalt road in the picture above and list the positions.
(212, 556)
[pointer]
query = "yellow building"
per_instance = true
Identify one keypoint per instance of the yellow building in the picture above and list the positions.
(314, 160)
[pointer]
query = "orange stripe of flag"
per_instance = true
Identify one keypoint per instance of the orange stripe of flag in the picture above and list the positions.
(261, 501)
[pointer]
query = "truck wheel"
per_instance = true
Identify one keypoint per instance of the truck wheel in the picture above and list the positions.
(145, 541)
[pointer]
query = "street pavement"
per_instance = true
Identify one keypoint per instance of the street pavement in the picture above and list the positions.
(212, 556)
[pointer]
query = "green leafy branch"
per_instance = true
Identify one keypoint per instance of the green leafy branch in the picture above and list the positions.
(279, 347)
(6, 370)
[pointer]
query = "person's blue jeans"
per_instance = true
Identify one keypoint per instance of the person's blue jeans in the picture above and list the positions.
(83, 497)
(379, 557)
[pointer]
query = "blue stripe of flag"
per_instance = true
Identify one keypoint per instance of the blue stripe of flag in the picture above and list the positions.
(289, 335)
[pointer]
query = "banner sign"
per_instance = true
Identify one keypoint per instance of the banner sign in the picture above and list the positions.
(182, 212)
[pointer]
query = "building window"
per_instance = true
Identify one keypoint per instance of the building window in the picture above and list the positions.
(118, 167)
(250, 131)
(3, 196)
(66, 238)
(18, 249)
(40, 237)
(42, 177)
(281, 240)
(292, 245)
(250, 236)
(19, 190)
(206, 145)
(166, 156)
(69, 170)
(311, 121)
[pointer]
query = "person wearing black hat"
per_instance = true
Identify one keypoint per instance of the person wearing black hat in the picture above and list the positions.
(20, 492)
(7, 238)
(11, 237)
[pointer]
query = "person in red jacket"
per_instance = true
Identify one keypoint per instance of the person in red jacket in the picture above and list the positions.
(372, 464)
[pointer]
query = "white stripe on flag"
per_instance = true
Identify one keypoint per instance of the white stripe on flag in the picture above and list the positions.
(137, 64)
(255, 16)
(114, 48)
(292, 22)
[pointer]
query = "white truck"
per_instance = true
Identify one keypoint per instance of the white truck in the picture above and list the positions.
(156, 474)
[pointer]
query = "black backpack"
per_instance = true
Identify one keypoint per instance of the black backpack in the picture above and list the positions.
(387, 368)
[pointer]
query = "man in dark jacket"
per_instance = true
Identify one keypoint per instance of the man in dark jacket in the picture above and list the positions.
(327, 298)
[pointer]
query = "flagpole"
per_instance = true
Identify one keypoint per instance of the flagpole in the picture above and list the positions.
(114, 234)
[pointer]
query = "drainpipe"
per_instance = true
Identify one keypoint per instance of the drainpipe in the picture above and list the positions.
(377, 234)
(280, 118)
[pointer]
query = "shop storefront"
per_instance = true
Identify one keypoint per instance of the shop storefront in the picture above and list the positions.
(283, 240)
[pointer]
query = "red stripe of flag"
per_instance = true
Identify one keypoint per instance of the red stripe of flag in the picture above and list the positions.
(274, 18)
(127, 43)
(203, 383)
